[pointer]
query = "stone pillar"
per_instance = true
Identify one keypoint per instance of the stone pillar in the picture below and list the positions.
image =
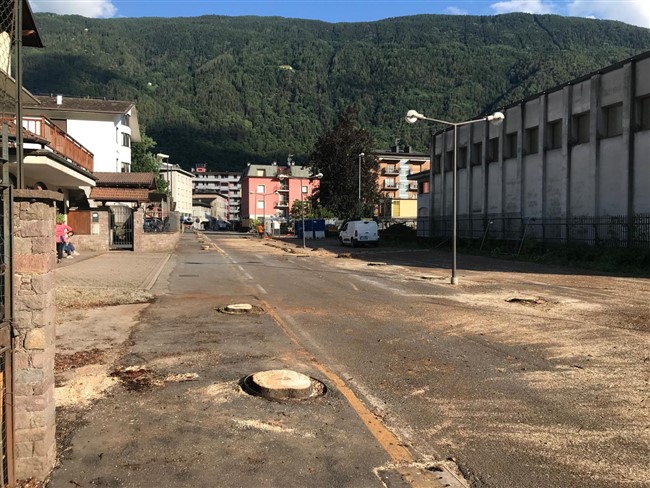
(34, 219)
(138, 229)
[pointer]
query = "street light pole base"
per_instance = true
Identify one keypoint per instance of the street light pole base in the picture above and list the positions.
(454, 280)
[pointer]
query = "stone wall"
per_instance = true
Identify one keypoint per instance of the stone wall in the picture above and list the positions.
(153, 241)
(34, 220)
(97, 240)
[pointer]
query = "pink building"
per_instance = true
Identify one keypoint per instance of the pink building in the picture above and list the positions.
(269, 190)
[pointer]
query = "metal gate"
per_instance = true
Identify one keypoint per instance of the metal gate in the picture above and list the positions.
(121, 227)
(6, 403)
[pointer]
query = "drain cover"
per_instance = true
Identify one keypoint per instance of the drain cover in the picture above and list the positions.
(283, 384)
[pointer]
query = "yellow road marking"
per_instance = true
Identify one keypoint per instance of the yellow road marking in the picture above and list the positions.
(397, 452)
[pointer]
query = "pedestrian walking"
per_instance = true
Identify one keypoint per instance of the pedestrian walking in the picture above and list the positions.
(260, 230)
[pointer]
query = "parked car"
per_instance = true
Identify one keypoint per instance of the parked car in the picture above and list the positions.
(358, 232)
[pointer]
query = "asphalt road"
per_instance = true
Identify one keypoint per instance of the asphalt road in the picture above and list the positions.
(548, 391)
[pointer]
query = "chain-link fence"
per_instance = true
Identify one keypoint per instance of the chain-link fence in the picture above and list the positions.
(606, 231)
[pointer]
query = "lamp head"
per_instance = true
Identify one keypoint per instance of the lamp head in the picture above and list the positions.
(496, 118)
(412, 116)
(318, 176)
(361, 155)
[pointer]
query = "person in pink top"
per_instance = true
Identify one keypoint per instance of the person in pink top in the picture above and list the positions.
(60, 232)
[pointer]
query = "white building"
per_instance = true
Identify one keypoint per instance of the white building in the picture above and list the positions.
(51, 158)
(179, 184)
(570, 164)
(222, 182)
(105, 127)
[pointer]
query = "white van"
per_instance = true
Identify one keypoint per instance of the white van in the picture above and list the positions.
(356, 232)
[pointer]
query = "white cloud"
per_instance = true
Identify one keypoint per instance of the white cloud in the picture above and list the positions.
(456, 11)
(87, 8)
(528, 6)
(635, 12)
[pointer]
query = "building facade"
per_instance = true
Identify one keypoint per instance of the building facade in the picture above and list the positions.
(398, 194)
(220, 182)
(105, 127)
(270, 190)
(577, 151)
(179, 185)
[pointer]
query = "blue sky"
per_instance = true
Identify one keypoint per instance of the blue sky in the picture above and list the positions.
(635, 12)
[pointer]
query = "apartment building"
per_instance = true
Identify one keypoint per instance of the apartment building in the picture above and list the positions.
(399, 195)
(219, 182)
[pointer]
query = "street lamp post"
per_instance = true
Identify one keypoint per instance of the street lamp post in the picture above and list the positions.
(361, 155)
(412, 116)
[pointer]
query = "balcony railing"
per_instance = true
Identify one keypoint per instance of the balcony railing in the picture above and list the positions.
(60, 142)
(282, 204)
(390, 170)
(390, 185)
(413, 186)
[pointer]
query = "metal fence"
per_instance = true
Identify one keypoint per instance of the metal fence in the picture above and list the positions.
(606, 231)
(6, 293)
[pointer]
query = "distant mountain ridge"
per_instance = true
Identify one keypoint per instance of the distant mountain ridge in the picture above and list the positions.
(229, 90)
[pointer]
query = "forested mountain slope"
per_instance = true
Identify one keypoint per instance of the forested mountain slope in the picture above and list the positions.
(227, 90)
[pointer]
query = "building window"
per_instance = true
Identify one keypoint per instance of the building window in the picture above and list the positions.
(462, 157)
(423, 187)
(126, 167)
(437, 161)
(261, 188)
(580, 129)
(126, 139)
(260, 204)
(449, 160)
(261, 172)
(477, 151)
(510, 149)
(531, 140)
(643, 113)
(126, 120)
(554, 134)
(493, 150)
(613, 120)
(390, 183)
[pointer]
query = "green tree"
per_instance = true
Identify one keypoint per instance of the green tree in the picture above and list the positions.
(337, 156)
(144, 161)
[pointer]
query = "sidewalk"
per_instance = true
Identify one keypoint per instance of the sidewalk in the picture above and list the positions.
(116, 269)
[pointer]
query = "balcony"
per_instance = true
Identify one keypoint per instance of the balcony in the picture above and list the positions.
(389, 185)
(282, 204)
(413, 186)
(59, 141)
(390, 170)
(283, 188)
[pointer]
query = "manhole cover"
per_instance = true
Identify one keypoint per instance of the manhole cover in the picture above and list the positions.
(283, 384)
(240, 309)
(526, 300)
